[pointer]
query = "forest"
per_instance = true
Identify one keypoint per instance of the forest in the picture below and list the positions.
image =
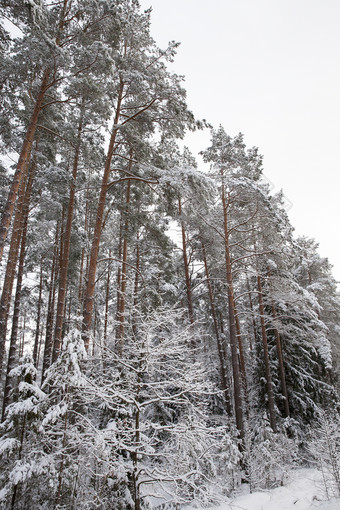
(164, 336)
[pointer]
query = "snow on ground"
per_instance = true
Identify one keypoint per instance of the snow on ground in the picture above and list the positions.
(304, 490)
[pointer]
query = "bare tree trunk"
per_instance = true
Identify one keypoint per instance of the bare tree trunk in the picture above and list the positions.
(15, 323)
(266, 359)
(25, 193)
(186, 264)
(25, 154)
(232, 325)
(66, 247)
(50, 309)
(223, 374)
(23, 163)
(90, 287)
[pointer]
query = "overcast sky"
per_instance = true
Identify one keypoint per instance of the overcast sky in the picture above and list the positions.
(270, 69)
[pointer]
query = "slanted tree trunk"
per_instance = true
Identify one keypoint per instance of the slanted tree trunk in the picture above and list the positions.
(25, 193)
(270, 394)
(12, 358)
(90, 286)
(65, 254)
(23, 163)
(25, 154)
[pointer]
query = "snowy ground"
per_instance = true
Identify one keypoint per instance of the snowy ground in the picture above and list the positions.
(305, 490)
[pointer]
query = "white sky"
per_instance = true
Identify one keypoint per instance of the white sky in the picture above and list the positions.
(270, 69)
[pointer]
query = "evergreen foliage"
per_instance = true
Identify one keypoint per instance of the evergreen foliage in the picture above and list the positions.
(169, 337)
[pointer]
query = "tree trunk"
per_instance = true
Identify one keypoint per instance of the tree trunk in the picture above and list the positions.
(240, 347)
(66, 248)
(23, 163)
(122, 293)
(37, 330)
(90, 287)
(18, 225)
(223, 374)
(14, 335)
(50, 309)
(135, 290)
(82, 261)
(242, 361)
(106, 316)
(119, 271)
(266, 359)
(232, 326)
(186, 264)
(281, 365)
(252, 316)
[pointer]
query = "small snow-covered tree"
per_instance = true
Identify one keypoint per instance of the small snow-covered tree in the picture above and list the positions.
(22, 459)
(157, 396)
(324, 447)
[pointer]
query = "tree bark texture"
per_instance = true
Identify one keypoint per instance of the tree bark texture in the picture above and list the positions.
(90, 287)
(23, 163)
(232, 326)
(12, 358)
(18, 224)
(65, 254)
(50, 309)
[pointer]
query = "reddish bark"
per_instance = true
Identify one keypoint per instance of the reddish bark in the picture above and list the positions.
(23, 163)
(231, 313)
(25, 193)
(90, 287)
(15, 323)
(50, 309)
(65, 253)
